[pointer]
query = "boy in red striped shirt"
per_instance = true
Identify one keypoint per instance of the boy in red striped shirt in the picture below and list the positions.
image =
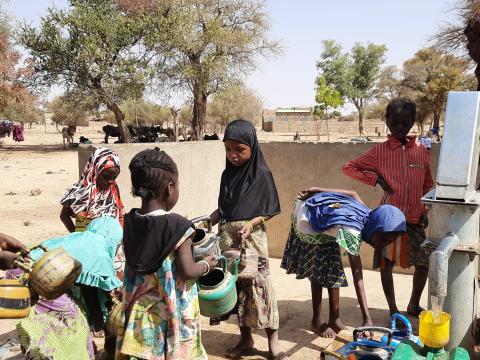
(401, 167)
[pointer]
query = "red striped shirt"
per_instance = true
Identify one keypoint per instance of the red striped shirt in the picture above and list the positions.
(405, 168)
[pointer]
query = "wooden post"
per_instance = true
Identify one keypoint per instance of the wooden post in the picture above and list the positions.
(328, 132)
(174, 113)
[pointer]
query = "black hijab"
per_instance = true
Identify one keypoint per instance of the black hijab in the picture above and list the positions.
(149, 239)
(247, 191)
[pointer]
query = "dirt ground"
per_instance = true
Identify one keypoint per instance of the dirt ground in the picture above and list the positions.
(41, 163)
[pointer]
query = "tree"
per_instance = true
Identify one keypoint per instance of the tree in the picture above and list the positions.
(352, 74)
(12, 90)
(26, 111)
(208, 45)
(185, 115)
(431, 74)
(235, 102)
(389, 84)
(91, 48)
(326, 97)
(450, 37)
(141, 111)
(67, 110)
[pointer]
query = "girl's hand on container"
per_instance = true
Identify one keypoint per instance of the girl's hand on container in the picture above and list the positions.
(245, 231)
(7, 259)
(212, 261)
(9, 243)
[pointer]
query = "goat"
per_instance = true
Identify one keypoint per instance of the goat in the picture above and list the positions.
(68, 133)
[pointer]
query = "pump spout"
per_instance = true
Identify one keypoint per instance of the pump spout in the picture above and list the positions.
(438, 261)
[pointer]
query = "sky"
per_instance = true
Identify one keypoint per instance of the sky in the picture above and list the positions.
(404, 26)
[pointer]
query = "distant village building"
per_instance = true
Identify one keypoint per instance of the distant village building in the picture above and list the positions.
(294, 119)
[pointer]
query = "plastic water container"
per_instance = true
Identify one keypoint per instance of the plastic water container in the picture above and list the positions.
(433, 334)
(400, 335)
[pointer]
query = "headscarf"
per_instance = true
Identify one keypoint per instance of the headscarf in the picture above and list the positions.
(149, 239)
(385, 218)
(90, 202)
(247, 191)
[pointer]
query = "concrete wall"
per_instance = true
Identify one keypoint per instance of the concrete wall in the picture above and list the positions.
(200, 165)
(295, 166)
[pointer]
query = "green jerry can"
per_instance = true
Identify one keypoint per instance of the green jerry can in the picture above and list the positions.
(408, 350)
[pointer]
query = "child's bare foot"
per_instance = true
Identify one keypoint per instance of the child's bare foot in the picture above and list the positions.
(337, 326)
(276, 352)
(318, 329)
(414, 310)
(239, 349)
(328, 333)
(394, 311)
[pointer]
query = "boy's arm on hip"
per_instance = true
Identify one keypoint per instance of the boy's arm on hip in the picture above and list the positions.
(363, 168)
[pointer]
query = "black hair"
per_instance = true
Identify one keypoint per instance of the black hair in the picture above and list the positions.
(401, 103)
(151, 171)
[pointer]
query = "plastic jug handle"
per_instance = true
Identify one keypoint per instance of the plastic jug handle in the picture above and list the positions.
(22, 265)
(203, 218)
(403, 319)
(222, 259)
(39, 246)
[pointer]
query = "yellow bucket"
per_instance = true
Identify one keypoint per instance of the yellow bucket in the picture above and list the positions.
(433, 334)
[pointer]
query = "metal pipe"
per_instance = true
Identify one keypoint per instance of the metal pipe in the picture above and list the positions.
(438, 269)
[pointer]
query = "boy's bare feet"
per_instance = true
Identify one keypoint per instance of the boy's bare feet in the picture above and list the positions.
(395, 311)
(240, 348)
(414, 310)
(328, 333)
(337, 325)
(330, 330)
(319, 329)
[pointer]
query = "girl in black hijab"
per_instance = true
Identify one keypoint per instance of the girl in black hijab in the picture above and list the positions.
(248, 198)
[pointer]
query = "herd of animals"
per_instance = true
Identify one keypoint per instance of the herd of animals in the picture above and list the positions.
(138, 133)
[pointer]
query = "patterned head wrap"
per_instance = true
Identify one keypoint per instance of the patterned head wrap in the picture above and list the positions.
(90, 202)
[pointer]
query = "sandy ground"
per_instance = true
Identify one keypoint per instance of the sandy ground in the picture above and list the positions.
(41, 162)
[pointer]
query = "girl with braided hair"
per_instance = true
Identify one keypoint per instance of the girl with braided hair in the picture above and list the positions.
(160, 295)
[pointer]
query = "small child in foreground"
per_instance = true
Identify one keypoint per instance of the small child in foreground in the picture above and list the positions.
(160, 294)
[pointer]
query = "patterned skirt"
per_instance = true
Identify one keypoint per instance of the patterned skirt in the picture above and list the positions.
(320, 263)
(257, 305)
